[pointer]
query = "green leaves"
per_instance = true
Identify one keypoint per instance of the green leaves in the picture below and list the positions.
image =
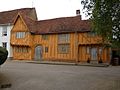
(3, 55)
(105, 18)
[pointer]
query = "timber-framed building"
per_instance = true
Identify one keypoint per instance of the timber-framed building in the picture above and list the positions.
(61, 39)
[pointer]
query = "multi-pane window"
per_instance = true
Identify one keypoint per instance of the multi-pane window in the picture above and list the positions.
(63, 48)
(63, 38)
(45, 37)
(20, 34)
(21, 49)
(63, 43)
(4, 44)
(46, 49)
(4, 31)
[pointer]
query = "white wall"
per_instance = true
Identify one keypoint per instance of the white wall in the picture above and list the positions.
(6, 39)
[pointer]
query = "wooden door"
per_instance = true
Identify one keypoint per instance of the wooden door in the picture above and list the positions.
(94, 54)
(38, 53)
(82, 53)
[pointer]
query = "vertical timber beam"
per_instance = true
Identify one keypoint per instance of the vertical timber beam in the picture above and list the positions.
(76, 46)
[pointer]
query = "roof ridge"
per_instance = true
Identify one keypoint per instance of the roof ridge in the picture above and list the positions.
(16, 10)
(60, 18)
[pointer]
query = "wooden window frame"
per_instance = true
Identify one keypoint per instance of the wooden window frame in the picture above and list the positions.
(21, 49)
(88, 50)
(45, 37)
(63, 48)
(100, 50)
(91, 34)
(63, 38)
(20, 35)
(46, 49)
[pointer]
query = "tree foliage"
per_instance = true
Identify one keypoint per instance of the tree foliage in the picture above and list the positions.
(105, 17)
(3, 55)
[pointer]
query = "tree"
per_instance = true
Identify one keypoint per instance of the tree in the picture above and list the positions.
(3, 55)
(105, 18)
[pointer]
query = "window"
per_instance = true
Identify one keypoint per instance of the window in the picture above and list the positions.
(4, 44)
(100, 51)
(46, 49)
(88, 50)
(63, 48)
(92, 34)
(21, 49)
(45, 37)
(63, 38)
(4, 31)
(20, 34)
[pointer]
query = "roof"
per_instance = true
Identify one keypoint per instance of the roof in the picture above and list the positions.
(62, 25)
(7, 17)
(57, 25)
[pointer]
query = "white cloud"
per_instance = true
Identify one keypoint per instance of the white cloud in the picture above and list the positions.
(14, 4)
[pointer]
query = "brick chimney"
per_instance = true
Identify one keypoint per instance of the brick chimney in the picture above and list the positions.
(78, 13)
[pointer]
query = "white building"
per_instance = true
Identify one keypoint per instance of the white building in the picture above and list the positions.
(5, 30)
(6, 24)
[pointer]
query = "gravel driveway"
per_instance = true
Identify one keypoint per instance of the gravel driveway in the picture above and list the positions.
(16, 75)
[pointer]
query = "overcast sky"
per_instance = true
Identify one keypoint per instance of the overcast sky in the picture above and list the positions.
(46, 9)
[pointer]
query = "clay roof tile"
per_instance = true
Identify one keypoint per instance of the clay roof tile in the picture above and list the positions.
(62, 25)
(57, 25)
(7, 17)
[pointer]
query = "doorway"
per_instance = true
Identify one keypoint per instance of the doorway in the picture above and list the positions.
(94, 54)
(38, 53)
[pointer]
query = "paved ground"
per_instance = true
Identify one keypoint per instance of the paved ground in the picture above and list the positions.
(15, 75)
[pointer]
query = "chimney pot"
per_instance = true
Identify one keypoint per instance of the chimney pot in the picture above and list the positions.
(77, 12)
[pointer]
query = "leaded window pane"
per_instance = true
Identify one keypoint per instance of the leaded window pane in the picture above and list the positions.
(63, 38)
(64, 48)
(20, 34)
